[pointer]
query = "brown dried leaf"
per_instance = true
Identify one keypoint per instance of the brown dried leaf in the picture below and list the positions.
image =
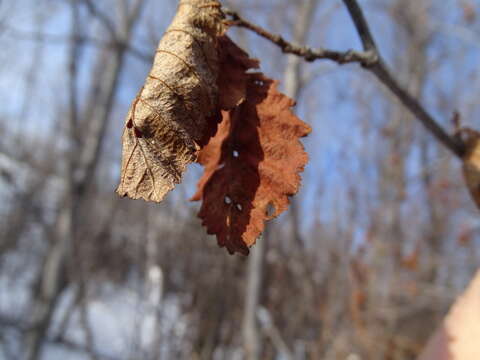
(232, 82)
(471, 162)
(233, 63)
(176, 108)
(251, 165)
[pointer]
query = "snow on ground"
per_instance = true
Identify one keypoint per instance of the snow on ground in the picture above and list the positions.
(119, 318)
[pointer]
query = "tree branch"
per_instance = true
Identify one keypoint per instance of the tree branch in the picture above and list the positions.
(361, 24)
(381, 71)
(370, 60)
(309, 54)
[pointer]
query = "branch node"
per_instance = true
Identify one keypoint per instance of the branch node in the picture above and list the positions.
(370, 59)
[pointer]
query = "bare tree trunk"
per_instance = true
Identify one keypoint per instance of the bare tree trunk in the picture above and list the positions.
(100, 114)
(250, 328)
(52, 279)
(154, 285)
(293, 85)
(400, 136)
(51, 284)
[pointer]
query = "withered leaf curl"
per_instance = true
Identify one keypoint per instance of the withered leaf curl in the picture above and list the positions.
(253, 162)
(177, 106)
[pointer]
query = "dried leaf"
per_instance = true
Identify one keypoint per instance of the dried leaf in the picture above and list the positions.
(252, 161)
(233, 63)
(177, 108)
(251, 165)
(232, 82)
(471, 162)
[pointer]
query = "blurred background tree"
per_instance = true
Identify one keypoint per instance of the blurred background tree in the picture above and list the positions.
(364, 265)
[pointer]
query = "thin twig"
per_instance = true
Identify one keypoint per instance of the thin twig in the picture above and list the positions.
(381, 71)
(309, 54)
(370, 60)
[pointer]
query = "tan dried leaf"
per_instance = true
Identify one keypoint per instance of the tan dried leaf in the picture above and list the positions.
(176, 108)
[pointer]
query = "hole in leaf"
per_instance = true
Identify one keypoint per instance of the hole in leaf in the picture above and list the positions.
(258, 82)
(227, 200)
(235, 154)
(271, 209)
(239, 207)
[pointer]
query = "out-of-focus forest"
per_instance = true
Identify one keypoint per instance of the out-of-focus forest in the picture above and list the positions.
(372, 252)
